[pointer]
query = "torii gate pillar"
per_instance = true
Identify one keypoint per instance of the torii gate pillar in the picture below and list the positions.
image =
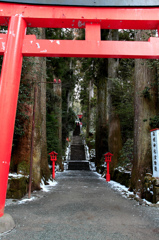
(9, 89)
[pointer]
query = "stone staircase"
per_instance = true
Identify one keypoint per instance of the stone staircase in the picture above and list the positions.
(77, 160)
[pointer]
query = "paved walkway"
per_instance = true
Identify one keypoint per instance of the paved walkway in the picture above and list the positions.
(83, 206)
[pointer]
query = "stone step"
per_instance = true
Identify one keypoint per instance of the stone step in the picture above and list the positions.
(78, 165)
(77, 152)
(77, 140)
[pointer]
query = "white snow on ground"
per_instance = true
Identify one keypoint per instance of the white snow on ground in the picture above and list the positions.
(92, 166)
(119, 187)
(124, 191)
(47, 188)
(15, 175)
(26, 200)
(44, 188)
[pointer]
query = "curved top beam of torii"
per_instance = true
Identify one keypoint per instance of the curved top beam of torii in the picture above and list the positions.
(91, 3)
(93, 20)
(78, 17)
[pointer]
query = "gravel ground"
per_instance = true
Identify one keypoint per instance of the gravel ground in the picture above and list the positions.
(82, 206)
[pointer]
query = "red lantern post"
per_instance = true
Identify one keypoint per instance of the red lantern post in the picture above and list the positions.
(53, 156)
(108, 157)
(80, 116)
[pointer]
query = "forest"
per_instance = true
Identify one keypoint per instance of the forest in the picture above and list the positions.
(118, 99)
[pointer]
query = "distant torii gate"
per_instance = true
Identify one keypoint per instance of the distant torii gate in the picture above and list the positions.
(16, 44)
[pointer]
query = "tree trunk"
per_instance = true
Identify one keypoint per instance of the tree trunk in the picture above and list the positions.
(114, 129)
(89, 119)
(101, 122)
(45, 171)
(58, 113)
(144, 108)
(34, 73)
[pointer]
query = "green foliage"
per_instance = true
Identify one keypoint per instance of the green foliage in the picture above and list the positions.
(84, 97)
(122, 91)
(146, 92)
(122, 101)
(22, 110)
(24, 99)
(68, 125)
(52, 121)
(126, 69)
(126, 154)
(92, 70)
(68, 119)
(60, 68)
(126, 35)
(58, 33)
(145, 120)
(93, 102)
(52, 134)
(51, 100)
(154, 122)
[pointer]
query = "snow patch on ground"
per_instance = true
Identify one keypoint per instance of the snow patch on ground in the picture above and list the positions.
(47, 188)
(34, 195)
(119, 187)
(92, 166)
(124, 191)
(26, 200)
(99, 175)
(15, 175)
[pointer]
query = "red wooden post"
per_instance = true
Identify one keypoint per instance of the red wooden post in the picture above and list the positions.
(53, 169)
(53, 156)
(108, 157)
(9, 88)
(107, 175)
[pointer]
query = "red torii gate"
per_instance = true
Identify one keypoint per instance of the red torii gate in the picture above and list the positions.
(16, 44)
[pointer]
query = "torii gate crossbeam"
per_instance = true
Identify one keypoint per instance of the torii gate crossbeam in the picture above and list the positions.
(16, 44)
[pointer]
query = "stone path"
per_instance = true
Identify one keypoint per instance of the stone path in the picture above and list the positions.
(82, 206)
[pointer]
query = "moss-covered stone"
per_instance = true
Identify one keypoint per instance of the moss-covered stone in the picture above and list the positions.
(151, 191)
(17, 187)
(23, 168)
(156, 194)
